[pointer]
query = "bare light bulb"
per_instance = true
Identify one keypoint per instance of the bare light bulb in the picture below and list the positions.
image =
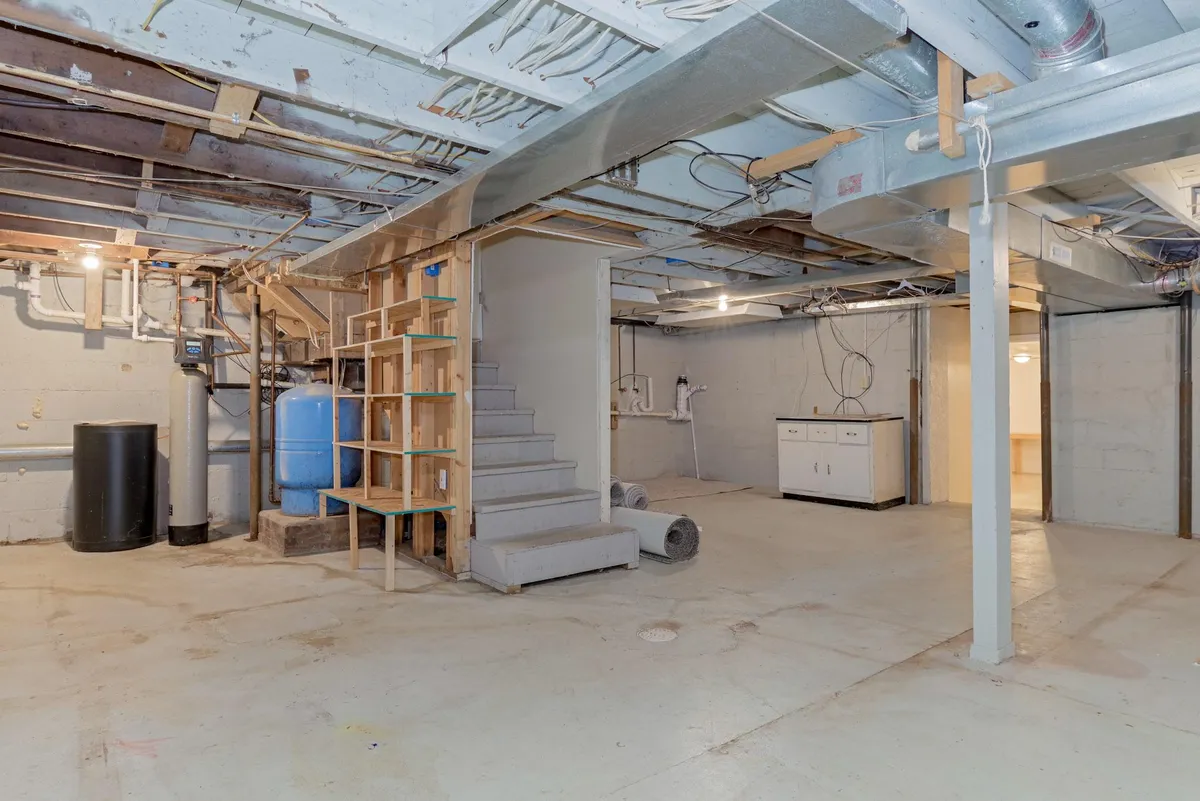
(723, 303)
(1022, 358)
(91, 261)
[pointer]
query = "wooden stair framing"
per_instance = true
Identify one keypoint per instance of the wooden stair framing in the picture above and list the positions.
(415, 340)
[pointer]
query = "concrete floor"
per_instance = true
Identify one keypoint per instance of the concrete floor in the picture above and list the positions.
(820, 654)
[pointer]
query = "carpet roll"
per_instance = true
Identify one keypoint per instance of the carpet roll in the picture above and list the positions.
(664, 536)
(636, 497)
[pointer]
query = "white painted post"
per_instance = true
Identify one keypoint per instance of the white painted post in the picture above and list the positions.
(991, 498)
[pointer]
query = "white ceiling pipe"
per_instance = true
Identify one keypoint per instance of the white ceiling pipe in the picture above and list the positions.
(35, 302)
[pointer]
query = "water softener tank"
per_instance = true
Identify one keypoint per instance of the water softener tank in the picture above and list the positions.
(187, 514)
(304, 447)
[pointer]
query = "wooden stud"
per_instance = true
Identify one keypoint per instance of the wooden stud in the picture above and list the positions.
(991, 84)
(801, 156)
(458, 529)
(368, 432)
(353, 537)
(389, 548)
(93, 299)
(232, 100)
(1086, 221)
(950, 107)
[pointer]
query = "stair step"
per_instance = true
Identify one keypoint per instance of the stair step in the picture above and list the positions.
(495, 396)
(496, 422)
(509, 564)
(513, 448)
(485, 372)
(521, 478)
(518, 515)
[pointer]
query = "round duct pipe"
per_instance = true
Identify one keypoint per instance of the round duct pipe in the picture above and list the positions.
(911, 64)
(1063, 33)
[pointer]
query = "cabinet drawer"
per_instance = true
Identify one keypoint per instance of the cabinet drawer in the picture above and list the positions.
(820, 432)
(853, 434)
(793, 432)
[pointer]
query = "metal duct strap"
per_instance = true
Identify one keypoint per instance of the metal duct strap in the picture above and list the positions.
(664, 537)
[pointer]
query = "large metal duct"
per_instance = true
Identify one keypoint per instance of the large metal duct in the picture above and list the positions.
(1130, 110)
(910, 63)
(715, 70)
(1064, 33)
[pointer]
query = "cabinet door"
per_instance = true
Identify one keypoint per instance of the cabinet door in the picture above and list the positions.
(801, 467)
(848, 469)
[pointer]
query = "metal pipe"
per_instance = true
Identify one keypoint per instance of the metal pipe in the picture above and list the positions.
(273, 491)
(29, 453)
(1185, 416)
(255, 410)
(911, 64)
(766, 287)
(914, 409)
(1047, 429)
(1063, 33)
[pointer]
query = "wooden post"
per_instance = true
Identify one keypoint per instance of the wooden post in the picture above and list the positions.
(389, 549)
(458, 533)
(93, 299)
(950, 107)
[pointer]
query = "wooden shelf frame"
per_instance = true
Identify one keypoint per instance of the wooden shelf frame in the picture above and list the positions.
(415, 340)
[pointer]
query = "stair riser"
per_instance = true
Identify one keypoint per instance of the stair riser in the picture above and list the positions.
(486, 375)
(515, 522)
(495, 399)
(527, 482)
(539, 451)
(494, 425)
(509, 571)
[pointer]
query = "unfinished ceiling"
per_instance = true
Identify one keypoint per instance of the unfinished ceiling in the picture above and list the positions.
(217, 131)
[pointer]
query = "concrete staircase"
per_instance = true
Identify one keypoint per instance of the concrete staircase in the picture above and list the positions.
(532, 523)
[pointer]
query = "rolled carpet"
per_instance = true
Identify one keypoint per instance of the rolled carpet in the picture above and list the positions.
(664, 537)
(636, 497)
(616, 492)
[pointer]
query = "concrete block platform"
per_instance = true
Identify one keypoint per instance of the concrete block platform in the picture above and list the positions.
(303, 536)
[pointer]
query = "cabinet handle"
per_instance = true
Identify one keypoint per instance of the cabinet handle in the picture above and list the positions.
(827, 470)
(814, 467)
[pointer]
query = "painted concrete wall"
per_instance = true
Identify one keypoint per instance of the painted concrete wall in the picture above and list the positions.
(648, 447)
(546, 304)
(1114, 417)
(55, 374)
(758, 372)
(947, 402)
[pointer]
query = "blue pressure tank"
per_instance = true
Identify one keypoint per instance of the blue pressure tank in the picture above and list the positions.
(304, 447)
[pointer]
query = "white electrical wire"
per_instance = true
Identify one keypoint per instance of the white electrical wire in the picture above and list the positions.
(637, 48)
(870, 125)
(565, 46)
(520, 13)
(549, 40)
(606, 38)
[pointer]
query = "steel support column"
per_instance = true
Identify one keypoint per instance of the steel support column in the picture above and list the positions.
(914, 408)
(1047, 423)
(991, 490)
(255, 410)
(1185, 416)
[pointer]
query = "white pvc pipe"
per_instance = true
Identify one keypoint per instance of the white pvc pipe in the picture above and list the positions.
(35, 301)
(155, 325)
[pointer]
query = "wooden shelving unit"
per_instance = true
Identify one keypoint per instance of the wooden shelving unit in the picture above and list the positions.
(415, 340)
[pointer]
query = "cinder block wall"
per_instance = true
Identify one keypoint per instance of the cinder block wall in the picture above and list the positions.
(648, 447)
(54, 374)
(758, 372)
(1116, 438)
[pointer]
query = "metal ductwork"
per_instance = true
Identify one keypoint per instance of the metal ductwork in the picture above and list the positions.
(1064, 34)
(715, 70)
(1137, 108)
(910, 63)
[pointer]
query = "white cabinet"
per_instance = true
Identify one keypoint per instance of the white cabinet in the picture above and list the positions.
(858, 460)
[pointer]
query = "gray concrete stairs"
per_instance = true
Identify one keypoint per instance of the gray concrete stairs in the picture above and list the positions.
(532, 523)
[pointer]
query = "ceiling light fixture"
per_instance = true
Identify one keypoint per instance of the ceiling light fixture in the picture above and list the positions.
(1022, 358)
(90, 260)
(723, 303)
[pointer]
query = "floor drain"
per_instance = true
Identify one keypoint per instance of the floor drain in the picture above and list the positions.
(658, 634)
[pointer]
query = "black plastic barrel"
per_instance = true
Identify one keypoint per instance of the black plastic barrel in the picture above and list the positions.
(114, 477)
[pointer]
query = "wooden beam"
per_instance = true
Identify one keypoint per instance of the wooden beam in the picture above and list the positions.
(576, 229)
(294, 306)
(991, 84)
(93, 299)
(1086, 221)
(238, 102)
(950, 107)
(801, 156)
